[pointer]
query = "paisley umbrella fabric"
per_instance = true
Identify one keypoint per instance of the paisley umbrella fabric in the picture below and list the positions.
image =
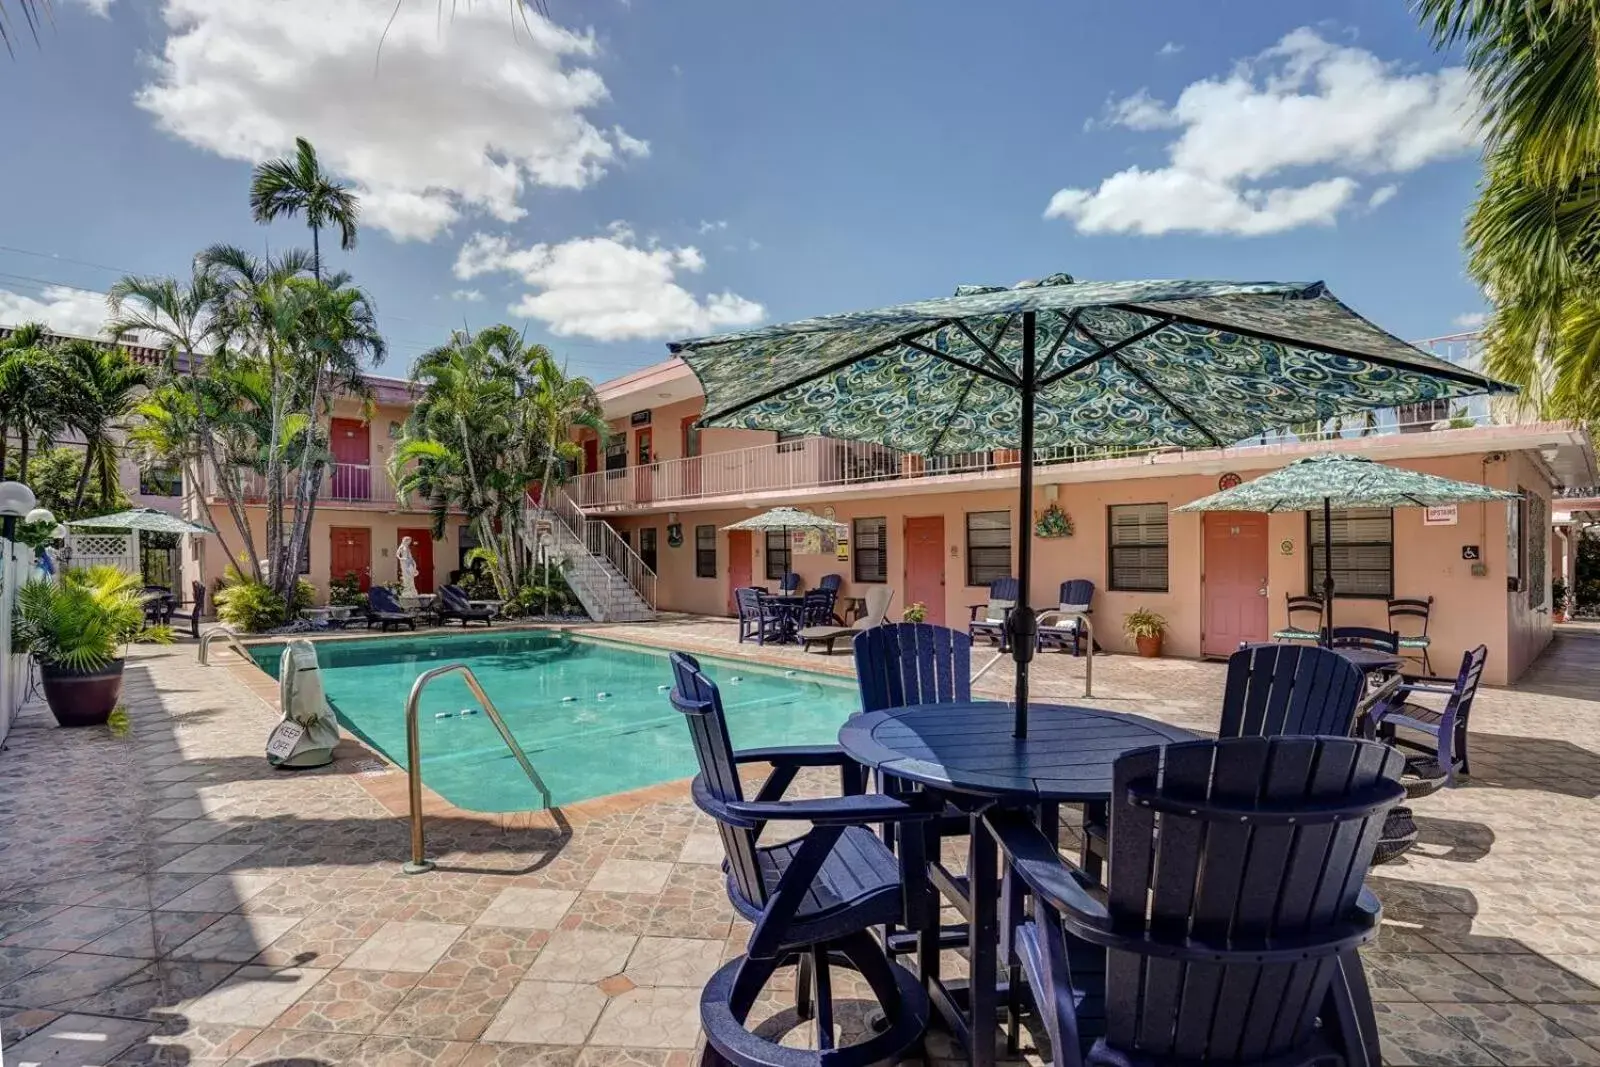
(143, 519)
(784, 519)
(1343, 481)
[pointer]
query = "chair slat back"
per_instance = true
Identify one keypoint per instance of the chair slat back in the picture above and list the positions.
(1365, 637)
(1460, 702)
(696, 696)
(1289, 689)
(878, 598)
(817, 608)
(1002, 598)
(831, 582)
(906, 663)
(1406, 609)
(789, 583)
(382, 600)
(1186, 873)
(1076, 595)
(747, 598)
(453, 596)
(1303, 605)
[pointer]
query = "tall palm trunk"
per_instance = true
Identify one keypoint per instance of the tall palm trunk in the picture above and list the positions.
(83, 480)
(22, 458)
(5, 445)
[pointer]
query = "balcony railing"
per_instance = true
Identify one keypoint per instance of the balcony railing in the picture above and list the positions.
(342, 483)
(822, 462)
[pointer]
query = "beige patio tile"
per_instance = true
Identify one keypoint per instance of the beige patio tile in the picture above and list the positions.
(1519, 1036)
(582, 956)
(528, 908)
(252, 995)
(630, 876)
(701, 848)
(674, 961)
(547, 1013)
(404, 946)
(661, 1017)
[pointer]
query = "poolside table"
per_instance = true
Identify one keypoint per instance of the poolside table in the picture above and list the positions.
(966, 753)
(1370, 661)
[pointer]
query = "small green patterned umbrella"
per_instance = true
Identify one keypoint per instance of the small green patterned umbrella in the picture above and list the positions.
(143, 519)
(784, 519)
(1328, 481)
(1057, 362)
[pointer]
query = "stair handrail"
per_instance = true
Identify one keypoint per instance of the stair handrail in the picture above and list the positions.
(600, 539)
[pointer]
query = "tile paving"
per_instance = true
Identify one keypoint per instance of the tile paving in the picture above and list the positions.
(170, 899)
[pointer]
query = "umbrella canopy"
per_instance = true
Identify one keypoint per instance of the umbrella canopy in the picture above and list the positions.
(1329, 481)
(1345, 482)
(1057, 362)
(784, 519)
(144, 519)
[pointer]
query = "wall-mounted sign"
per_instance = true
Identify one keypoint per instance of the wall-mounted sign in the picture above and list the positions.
(1470, 552)
(674, 535)
(1228, 481)
(1286, 547)
(1445, 515)
(639, 418)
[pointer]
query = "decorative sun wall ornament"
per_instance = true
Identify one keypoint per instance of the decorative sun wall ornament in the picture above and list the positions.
(1053, 522)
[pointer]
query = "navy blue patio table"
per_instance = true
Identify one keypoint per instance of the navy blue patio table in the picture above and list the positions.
(966, 751)
(1370, 660)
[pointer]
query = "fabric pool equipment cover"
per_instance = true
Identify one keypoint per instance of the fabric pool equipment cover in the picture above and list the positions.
(1061, 364)
(309, 730)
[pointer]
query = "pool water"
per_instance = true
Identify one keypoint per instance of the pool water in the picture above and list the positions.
(547, 687)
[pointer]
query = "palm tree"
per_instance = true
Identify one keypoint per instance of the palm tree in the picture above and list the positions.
(1534, 235)
(299, 186)
(16, 352)
(32, 400)
(101, 389)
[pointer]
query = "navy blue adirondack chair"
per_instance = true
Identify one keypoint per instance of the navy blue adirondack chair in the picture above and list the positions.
(813, 900)
(1447, 727)
(832, 583)
(789, 583)
(904, 663)
(817, 609)
(1229, 931)
(756, 618)
(1003, 593)
(1061, 628)
(1365, 637)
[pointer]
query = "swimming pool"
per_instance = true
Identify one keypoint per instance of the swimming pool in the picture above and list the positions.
(547, 686)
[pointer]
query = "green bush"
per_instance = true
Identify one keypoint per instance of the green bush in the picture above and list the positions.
(346, 592)
(533, 598)
(83, 621)
(250, 606)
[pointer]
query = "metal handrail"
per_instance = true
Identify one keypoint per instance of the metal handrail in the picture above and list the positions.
(220, 631)
(419, 862)
(600, 540)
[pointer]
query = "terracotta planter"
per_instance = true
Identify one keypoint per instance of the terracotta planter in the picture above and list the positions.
(82, 698)
(1149, 647)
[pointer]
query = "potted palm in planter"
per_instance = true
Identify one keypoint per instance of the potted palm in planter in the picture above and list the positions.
(1146, 628)
(76, 628)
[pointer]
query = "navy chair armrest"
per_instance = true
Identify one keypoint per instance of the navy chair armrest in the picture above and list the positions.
(1437, 690)
(794, 755)
(973, 610)
(873, 808)
(1035, 860)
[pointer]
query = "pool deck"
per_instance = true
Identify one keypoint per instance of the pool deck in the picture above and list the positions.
(168, 898)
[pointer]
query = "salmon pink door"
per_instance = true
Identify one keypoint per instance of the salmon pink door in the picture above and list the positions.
(352, 460)
(738, 564)
(350, 552)
(591, 455)
(1234, 580)
(422, 552)
(924, 582)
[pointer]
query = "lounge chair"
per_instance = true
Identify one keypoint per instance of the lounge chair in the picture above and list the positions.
(877, 607)
(385, 611)
(1062, 628)
(1003, 593)
(196, 608)
(453, 604)
(1229, 930)
(813, 900)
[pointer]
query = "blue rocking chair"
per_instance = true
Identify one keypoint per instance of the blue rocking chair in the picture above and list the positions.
(813, 900)
(1229, 931)
(1003, 594)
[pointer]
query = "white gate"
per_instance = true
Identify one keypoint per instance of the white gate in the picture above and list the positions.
(16, 561)
(120, 550)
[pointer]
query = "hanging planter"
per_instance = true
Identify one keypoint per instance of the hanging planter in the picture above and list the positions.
(1053, 522)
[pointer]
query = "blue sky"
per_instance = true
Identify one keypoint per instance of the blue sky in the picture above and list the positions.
(646, 170)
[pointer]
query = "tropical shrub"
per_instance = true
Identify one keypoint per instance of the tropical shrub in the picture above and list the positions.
(915, 612)
(85, 620)
(345, 592)
(1144, 623)
(251, 606)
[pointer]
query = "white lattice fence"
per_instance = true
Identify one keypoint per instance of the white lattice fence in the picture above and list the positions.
(119, 550)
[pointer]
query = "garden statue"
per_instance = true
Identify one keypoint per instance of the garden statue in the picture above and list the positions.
(408, 568)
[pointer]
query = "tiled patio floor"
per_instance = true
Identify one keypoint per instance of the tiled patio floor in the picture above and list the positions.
(167, 898)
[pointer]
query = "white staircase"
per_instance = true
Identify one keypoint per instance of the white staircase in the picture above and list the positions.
(610, 580)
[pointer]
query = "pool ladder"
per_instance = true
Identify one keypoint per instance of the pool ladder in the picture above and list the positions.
(419, 862)
(220, 631)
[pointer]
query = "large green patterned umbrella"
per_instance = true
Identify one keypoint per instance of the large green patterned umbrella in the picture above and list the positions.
(784, 519)
(1097, 364)
(144, 519)
(1343, 481)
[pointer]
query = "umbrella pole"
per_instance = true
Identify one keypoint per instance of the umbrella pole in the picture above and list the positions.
(1021, 624)
(1327, 572)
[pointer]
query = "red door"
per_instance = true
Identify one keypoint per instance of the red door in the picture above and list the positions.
(1234, 583)
(352, 460)
(738, 564)
(691, 456)
(644, 469)
(924, 582)
(591, 455)
(422, 552)
(351, 553)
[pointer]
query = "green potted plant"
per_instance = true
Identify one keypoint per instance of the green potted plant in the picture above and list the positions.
(1146, 628)
(915, 612)
(1558, 600)
(77, 628)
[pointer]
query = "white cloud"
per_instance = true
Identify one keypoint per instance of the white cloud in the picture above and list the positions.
(709, 227)
(1382, 195)
(471, 296)
(71, 311)
(1472, 320)
(609, 288)
(1171, 48)
(448, 118)
(1304, 103)
(101, 8)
